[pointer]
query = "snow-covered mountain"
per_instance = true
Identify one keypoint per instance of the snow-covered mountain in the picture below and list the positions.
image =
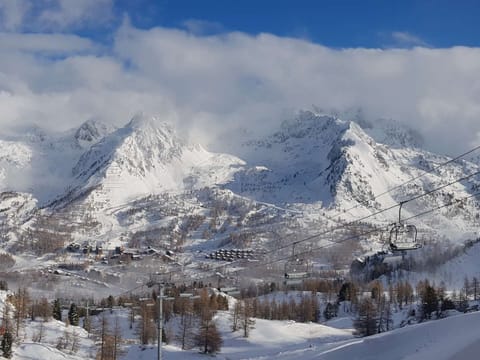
(322, 159)
(145, 157)
(308, 172)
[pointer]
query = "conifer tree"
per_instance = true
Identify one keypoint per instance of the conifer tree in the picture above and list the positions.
(384, 311)
(73, 315)
(57, 310)
(104, 348)
(110, 302)
(117, 339)
(44, 310)
(466, 286)
(87, 323)
(475, 288)
(429, 301)
(376, 289)
(6, 344)
(330, 311)
(348, 292)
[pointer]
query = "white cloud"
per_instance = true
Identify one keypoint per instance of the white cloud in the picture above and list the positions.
(237, 76)
(212, 83)
(406, 39)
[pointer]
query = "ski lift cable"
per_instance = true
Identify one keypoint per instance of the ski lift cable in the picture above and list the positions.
(381, 229)
(416, 197)
(345, 226)
(441, 187)
(450, 203)
(332, 242)
(458, 157)
(320, 247)
(453, 202)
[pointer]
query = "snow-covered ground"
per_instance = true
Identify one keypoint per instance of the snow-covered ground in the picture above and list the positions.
(453, 338)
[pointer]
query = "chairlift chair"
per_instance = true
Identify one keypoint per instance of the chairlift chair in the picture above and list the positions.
(296, 269)
(403, 236)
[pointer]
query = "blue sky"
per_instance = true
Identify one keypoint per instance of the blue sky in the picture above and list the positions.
(212, 66)
(334, 23)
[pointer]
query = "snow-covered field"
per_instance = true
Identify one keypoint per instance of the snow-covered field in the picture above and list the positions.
(453, 338)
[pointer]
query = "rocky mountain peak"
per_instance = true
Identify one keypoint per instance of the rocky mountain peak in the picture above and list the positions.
(144, 157)
(91, 131)
(141, 143)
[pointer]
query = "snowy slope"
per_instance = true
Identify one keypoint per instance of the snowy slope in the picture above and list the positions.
(14, 157)
(47, 349)
(452, 271)
(27, 347)
(15, 209)
(451, 338)
(266, 341)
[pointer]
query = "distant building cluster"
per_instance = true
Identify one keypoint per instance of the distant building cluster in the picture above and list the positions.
(120, 253)
(86, 248)
(230, 255)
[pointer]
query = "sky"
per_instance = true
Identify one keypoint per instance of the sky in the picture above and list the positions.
(332, 23)
(213, 67)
